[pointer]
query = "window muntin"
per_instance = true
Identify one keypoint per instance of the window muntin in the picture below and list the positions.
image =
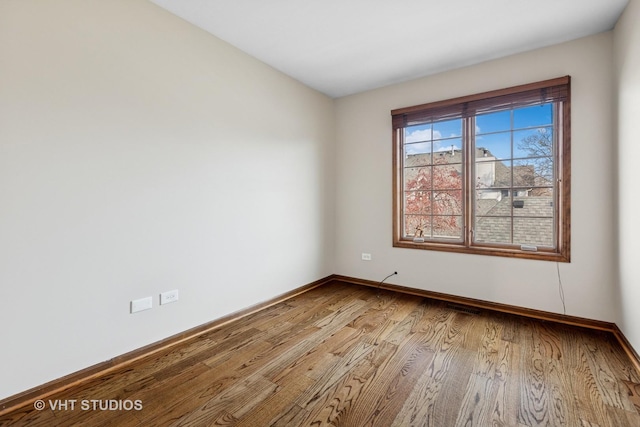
(432, 170)
(487, 173)
(514, 168)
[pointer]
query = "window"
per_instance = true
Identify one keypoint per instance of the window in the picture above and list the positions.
(486, 173)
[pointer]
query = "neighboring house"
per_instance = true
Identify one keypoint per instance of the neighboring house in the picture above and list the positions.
(522, 214)
(511, 206)
(532, 220)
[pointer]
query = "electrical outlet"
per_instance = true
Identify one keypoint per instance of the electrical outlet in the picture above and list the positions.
(141, 304)
(168, 297)
(366, 257)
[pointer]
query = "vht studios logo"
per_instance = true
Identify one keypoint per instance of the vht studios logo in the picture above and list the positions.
(89, 405)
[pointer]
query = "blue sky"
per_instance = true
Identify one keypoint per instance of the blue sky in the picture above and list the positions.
(445, 134)
(492, 131)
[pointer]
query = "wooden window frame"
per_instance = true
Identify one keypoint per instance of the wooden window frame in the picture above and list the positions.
(554, 90)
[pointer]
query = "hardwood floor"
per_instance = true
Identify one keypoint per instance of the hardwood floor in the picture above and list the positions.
(347, 355)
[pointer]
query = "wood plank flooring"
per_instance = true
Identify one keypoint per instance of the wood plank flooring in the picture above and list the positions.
(346, 355)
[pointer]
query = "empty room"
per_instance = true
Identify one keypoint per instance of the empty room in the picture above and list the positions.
(295, 213)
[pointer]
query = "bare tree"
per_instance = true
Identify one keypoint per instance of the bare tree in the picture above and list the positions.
(434, 200)
(539, 149)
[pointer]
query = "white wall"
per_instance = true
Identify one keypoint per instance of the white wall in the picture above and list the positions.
(627, 55)
(364, 194)
(139, 154)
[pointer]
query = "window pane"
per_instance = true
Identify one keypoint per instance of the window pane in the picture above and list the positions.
(533, 206)
(489, 206)
(538, 115)
(447, 150)
(417, 202)
(495, 146)
(542, 192)
(533, 172)
(447, 177)
(447, 202)
(533, 231)
(417, 178)
(493, 229)
(413, 223)
(523, 174)
(419, 133)
(518, 193)
(491, 175)
(533, 143)
(448, 129)
(493, 122)
(498, 206)
(417, 145)
(447, 227)
(417, 154)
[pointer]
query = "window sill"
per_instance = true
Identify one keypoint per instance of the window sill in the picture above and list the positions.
(484, 250)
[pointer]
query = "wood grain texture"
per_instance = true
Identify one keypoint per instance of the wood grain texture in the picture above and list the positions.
(348, 355)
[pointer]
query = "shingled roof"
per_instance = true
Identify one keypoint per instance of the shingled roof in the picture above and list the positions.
(530, 208)
(533, 222)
